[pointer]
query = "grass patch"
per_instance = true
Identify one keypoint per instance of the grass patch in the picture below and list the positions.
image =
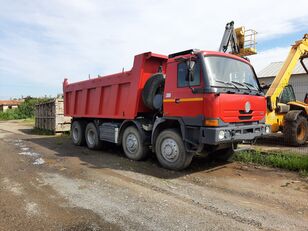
(28, 121)
(284, 160)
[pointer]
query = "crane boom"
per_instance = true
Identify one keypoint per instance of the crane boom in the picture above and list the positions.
(229, 37)
(239, 41)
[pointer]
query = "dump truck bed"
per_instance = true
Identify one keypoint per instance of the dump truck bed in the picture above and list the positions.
(116, 96)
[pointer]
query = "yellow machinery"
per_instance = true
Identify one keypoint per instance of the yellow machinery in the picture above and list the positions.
(284, 112)
(239, 41)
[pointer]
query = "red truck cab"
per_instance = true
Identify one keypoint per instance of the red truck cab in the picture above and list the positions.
(189, 102)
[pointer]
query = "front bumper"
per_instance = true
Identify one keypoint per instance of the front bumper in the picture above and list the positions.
(229, 134)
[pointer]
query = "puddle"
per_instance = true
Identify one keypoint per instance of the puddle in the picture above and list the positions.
(33, 154)
(39, 161)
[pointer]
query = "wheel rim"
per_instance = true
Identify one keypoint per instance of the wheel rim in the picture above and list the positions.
(75, 133)
(301, 131)
(91, 137)
(170, 150)
(132, 143)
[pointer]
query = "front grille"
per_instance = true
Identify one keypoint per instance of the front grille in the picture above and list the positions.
(244, 112)
(245, 117)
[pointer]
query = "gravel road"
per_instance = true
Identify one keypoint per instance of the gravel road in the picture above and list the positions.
(46, 183)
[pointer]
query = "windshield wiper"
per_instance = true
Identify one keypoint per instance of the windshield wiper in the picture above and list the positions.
(227, 83)
(243, 85)
(249, 84)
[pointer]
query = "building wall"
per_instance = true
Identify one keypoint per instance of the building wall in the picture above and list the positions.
(4, 108)
(298, 82)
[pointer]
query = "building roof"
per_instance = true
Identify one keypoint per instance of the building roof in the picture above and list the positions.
(9, 102)
(273, 68)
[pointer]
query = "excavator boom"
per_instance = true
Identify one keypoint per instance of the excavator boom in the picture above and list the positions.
(299, 51)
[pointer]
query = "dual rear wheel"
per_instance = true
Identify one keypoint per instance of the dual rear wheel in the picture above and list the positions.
(169, 148)
(83, 133)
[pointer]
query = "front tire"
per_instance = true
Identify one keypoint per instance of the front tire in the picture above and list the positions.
(296, 132)
(170, 150)
(77, 133)
(133, 145)
(92, 137)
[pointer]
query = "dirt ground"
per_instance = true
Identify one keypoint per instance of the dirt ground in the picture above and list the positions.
(46, 183)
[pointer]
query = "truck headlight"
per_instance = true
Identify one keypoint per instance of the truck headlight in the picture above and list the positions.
(221, 135)
(267, 130)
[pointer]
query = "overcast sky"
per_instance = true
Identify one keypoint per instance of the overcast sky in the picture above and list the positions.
(42, 42)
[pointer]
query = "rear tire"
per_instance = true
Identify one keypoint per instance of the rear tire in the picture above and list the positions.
(171, 152)
(296, 132)
(92, 137)
(133, 145)
(77, 133)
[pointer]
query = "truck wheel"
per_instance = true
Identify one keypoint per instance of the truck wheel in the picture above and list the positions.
(132, 144)
(92, 137)
(296, 132)
(77, 133)
(170, 150)
(154, 86)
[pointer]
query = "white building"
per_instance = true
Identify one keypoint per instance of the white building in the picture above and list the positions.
(8, 104)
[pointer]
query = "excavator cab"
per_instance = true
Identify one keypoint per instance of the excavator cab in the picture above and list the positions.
(287, 95)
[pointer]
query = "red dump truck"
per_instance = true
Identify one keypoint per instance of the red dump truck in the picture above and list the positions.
(177, 106)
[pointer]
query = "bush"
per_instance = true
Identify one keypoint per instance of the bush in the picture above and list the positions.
(25, 109)
(10, 114)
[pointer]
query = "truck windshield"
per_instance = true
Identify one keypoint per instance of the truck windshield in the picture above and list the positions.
(228, 72)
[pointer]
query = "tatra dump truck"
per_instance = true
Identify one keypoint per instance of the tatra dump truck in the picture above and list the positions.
(177, 106)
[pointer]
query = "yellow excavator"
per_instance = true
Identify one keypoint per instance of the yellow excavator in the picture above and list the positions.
(284, 112)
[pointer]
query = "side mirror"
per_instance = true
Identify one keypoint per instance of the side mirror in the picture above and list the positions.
(190, 67)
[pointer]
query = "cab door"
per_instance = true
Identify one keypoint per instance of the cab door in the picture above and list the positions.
(179, 100)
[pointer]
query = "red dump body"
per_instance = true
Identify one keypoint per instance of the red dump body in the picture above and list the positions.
(116, 96)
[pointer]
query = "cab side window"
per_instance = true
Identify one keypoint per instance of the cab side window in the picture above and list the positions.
(287, 95)
(183, 75)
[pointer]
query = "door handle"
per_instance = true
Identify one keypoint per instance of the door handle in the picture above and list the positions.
(177, 100)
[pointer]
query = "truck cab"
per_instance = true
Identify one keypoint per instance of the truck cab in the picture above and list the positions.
(217, 99)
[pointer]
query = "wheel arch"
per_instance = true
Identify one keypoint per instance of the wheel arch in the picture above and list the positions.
(127, 123)
(293, 114)
(164, 123)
